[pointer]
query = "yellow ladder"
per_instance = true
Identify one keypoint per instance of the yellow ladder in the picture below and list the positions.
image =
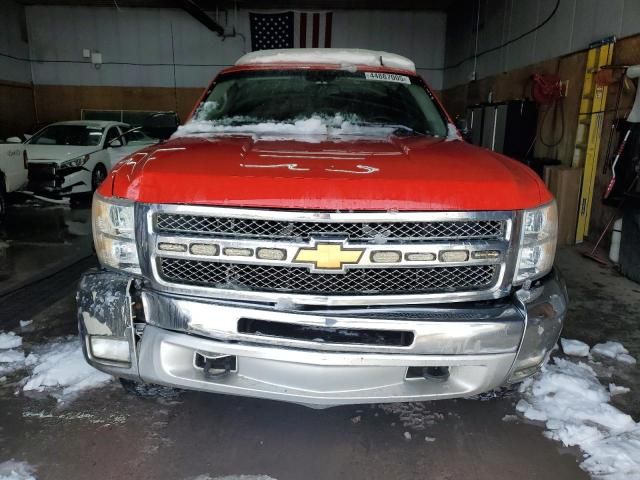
(587, 147)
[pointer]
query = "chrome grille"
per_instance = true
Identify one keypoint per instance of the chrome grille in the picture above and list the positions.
(383, 281)
(172, 223)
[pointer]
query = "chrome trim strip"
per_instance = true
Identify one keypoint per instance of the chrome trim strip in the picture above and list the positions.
(391, 216)
(365, 262)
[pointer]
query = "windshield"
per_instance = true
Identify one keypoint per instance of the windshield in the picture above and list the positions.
(137, 137)
(334, 96)
(76, 135)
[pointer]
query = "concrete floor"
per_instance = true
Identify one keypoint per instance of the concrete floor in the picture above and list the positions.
(165, 434)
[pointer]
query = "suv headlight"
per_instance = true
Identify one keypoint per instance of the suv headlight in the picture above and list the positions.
(114, 233)
(537, 243)
(75, 162)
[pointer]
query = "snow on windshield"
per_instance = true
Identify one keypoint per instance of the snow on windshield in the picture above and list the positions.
(337, 125)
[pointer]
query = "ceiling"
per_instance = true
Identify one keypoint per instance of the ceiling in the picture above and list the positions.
(273, 4)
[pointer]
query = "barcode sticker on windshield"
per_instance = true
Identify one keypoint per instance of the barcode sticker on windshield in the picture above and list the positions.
(387, 77)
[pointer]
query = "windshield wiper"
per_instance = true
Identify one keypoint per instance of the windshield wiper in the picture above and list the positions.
(398, 129)
(402, 130)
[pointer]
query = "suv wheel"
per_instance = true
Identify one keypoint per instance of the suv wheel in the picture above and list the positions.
(97, 176)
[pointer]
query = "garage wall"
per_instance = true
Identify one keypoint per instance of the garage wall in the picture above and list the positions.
(16, 94)
(138, 48)
(557, 48)
(576, 24)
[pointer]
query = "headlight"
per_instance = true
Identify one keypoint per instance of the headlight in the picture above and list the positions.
(114, 233)
(75, 162)
(537, 243)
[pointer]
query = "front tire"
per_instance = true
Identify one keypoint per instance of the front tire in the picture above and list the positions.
(98, 176)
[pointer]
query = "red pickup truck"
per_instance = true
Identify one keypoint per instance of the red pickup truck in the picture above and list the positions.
(318, 232)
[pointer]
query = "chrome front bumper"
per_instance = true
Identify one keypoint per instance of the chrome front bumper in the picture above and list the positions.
(484, 344)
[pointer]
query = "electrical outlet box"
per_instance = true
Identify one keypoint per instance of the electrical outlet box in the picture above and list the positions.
(86, 53)
(564, 88)
(96, 58)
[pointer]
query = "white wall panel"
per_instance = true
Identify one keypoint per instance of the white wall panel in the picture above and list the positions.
(576, 24)
(144, 36)
(524, 16)
(630, 18)
(556, 37)
(596, 19)
(418, 35)
(491, 34)
(13, 42)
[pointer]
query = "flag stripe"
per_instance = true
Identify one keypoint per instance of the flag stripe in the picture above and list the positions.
(327, 30)
(303, 30)
(316, 30)
(296, 32)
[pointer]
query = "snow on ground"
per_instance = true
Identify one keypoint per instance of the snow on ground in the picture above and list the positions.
(60, 369)
(10, 340)
(613, 350)
(12, 470)
(575, 407)
(314, 125)
(575, 348)
(11, 356)
(617, 390)
(57, 367)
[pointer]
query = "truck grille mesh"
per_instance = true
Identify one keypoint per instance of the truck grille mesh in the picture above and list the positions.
(170, 223)
(387, 281)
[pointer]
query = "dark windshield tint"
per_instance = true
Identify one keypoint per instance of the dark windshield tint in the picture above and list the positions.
(287, 96)
(76, 135)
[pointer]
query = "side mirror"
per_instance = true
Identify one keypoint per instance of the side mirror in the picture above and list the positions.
(463, 126)
(115, 142)
(14, 140)
(161, 125)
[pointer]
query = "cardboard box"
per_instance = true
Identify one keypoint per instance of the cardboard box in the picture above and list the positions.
(565, 183)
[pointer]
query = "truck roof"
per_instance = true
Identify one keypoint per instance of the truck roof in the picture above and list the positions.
(331, 56)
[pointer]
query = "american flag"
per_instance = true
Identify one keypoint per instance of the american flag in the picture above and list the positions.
(290, 30)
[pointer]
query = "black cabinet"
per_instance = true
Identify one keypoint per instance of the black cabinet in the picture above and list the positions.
(508, 127)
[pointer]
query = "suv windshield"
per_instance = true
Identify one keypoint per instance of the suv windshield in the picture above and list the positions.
(334, 96)
(76, 135)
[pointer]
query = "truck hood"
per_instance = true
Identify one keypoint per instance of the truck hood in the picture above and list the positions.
(376, 174)
(56, 153)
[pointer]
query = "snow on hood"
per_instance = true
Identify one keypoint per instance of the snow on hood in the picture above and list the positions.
(308, 129)
(57, 153)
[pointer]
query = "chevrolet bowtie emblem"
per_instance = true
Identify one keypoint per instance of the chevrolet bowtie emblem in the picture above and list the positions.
(329, 256)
